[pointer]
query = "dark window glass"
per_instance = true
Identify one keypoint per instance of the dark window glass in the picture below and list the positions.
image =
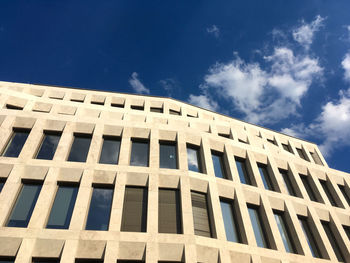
(80, 148)
(2, 183)
(345, 193)
(100, 209)
(315, 251)
(201, 219)
(271, 141)
(347, 231)
(130, 261)
(265, 176)
(191, 116)
(287, 182)
(316, 158)
(285, 232)
(242, 171)
(135, 107)
(167, 155)
(62, 209)
(258, 227)
(139, 153)
(89, 260)
(46, 260)
(155, 109)
(75, 100)
(326, 189)
(24, 206)
(16, 142)
(193, 158)
(48, 146)
(98, 102)
(230, 221)
(219, 164)
(174, 112)
(308, 188)
(6, 260)
(135, 209)
(13, 107)
(110, 150)
(286, 147)
(118, 105)
(243, 141)
(333, 241)
(301, 154)
(169, 219)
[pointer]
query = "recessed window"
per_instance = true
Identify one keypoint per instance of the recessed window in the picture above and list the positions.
(201, 216)
(230, 221)
(100, 208)
(49, 145)
(130, 261)
(194, 158)
(225, 135)
(310, 238)
(156, 109)
(286, 147)
(16, 142)
(242, 171)
(62, 209)
(167, 155)
(287, 182)
(7, 260)
(80, 148)
(174, 112)
(2, 183)
(45, 260)
(265, 176)
(139, 153)
(98, 102)
(191, 116)
(243, 141)
(134, 217)
(117, 105)
(284, 230)
(327, 190)
(308, 187)
(272, 141)
(137, 107)
(219, 164)
(169, 217)
(110, 150)
(24, 206)
(302, 154)
(333, 241)
(76, 100)
(85, 260)
(258, 227)
(347, 231)
(13, 107)
(345, 193)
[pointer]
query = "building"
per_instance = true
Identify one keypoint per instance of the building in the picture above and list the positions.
(91, 176)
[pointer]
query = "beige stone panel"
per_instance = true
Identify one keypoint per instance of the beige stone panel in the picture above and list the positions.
(91, 249)
(34, 172)
(158, 120)
(111, 251)
(215, 214)
(70, 175)
(178, 123)
(24, 122)
(103, 177)
(9, 246)
(186, 205)
(154, 149)
(251, 196)
(67, 110)
(42, 107)
(269, 260)
(240, 257)
(143, 133)
(54, 125)
(225, 189)
(207, 254)
(88, 113)
(111, 115)
(168, 181)
(16, 102)
(199, 185)
(5, 170)
(137, 102)
(167, 135)
(118, 100)
(137, 179)
(80, 127)
(36, 92)
(48, 248)
(77, 96)
(56, 94)
(171, 252)
(276, 203)
(132, 250)
(112, 130)
(98, 98)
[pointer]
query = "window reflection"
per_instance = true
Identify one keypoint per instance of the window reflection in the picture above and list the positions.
(16, 142)
(139, 153)
(242, 171)
(110, 150)
(219, 164)
(49, 145)
(258, 228)
(167, 155)
(80, 148)
(230, 221)
(193, 158)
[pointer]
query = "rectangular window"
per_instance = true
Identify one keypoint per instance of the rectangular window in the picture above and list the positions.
(315, 250)
(301, 154)
(230, 221)
(139, 153)
(347, 231)
(345, 193)
(308, 187)
(117, 105)
(258, 227)
(110, 150)
(49, 145)
(100, 208)
(201, 217)
(135, 209)
(333, 241)
(265, 176)
(13, 107)
(45, 260)
(271, 141)
(7, 260)
(287, 182)
(2, 183)
(167, 155)
(80, 148)
(286, 147)
(136, 107)
(194, 158)
(242, 171)
(326, 189)
(219, 164)
(169, 217)
(284, 230)
(98, 102)
(16, 142)
(62, 209)
(155, 109)
(174, 112)
(225, 135)
(316, 158)
(76, 100)
(24, 206)
(78, 260)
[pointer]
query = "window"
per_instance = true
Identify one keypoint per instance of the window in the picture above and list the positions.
(316, 158)
(77, 100)
(242, 171)
(194, 158)
(16, 142)
(230, 221)
(80, 148)
(308, 187)
(90, 260)
(201, 218)
(271, 141)
(110, 150)
(265, 176)
(13, 107)
(347, 231)
(48, 146)
(156, 109)
(45, 260)
(287, 182)
(174, 112)
(258, 227)
(117, 105)
(2, 183)
(135, 209)
(345, 193)
(130, 261)
(219, 164)
(286, 147)
(139, 153)
(167, 155)
(136, 107)
(315, 250)
(169, 217)
(327, 190)
(7, 260)
(24, 206)
(284, 230)
(62, 209)
(333, 241)
(225, 135)
(98, 102)
(100, 208)
(301, 154)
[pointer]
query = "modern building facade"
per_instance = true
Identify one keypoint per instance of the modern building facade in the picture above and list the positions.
(91, 176)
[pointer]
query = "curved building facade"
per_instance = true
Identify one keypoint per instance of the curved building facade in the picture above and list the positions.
(92, 176)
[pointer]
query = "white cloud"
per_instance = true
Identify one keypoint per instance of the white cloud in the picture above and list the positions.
(169, 85)
(214, 30)
(305, 33)
(136, 84)
(346, 66)
(203, 101)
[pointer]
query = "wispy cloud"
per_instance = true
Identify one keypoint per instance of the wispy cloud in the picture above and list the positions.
(304, 34)
(346, 66)
(214, 30)
(137, 85)
(203, 101)
(169, 85)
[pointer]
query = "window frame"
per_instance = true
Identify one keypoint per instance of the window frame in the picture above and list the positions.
(141, 141)
(110, 138)
(169, 143)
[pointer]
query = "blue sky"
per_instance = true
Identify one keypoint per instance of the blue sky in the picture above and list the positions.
(284, 65)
